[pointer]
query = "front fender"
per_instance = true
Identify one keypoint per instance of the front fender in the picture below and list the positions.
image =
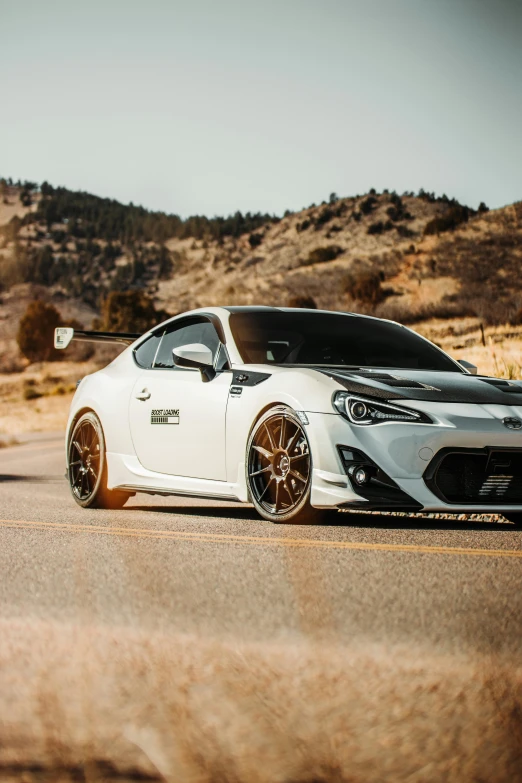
(302, 390)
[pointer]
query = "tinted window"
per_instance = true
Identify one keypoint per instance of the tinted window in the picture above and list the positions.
(186, 334)
(332, 339)
(145, 353)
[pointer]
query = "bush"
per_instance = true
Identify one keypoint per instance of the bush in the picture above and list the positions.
(452, 218)
(404, 231)
(30, 393)
(365, 287)
(35, 336)
(368, 205)
(323, 254)
(255, 240)
(129, 311)
(324, 217)
(307, 302)
(379, 227)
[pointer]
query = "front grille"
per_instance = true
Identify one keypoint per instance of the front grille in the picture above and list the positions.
(479, 476)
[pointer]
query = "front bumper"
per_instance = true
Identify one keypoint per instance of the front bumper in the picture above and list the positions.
(404, 452)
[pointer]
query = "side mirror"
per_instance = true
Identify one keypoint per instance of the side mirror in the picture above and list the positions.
(195, 356)
(471, 368)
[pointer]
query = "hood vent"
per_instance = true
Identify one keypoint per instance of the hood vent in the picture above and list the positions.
(396, 380)
(505, 386)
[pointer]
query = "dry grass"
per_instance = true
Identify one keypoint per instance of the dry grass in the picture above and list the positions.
(462, 338)
(203, 711)
(38, 399)
(5, 443)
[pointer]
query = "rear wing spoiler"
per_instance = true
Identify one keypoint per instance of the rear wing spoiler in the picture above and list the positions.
(64, 334)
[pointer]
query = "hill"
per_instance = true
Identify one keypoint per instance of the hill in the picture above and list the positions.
(409, 257)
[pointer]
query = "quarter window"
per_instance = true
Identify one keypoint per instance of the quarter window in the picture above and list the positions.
(146, 351)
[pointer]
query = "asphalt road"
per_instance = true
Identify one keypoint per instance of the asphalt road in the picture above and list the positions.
(216, 570)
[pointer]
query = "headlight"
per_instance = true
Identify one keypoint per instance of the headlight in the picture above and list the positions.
(364, 410)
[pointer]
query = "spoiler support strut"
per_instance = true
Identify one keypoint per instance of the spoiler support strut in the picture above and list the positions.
(64, 334)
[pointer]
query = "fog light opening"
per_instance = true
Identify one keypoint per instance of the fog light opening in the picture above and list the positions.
(359, 474)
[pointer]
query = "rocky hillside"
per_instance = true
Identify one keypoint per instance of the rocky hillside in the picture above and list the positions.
(409, 257)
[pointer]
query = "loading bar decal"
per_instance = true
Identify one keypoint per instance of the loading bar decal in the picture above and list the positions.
(165, 416)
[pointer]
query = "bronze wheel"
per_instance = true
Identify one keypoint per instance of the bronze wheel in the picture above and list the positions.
(279, 468)
(87, 466)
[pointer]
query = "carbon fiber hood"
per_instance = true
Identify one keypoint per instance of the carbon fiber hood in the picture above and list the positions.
(391, 384)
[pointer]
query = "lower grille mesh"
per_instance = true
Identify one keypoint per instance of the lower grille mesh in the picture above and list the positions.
(487, 477)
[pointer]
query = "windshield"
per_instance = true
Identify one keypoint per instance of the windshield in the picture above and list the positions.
(332, 339)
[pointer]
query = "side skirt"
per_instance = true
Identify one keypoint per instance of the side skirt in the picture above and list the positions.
(126, 473)
(167, 492)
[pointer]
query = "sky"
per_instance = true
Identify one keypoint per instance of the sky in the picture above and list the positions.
(210, 106)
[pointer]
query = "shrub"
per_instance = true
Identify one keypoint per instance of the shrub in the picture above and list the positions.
(323, 254)
(368, 205)
(25, 198)
(307, 302)
(36, 332)
(324, 217)
(129, 311)
(404, 231)
(30, 393)
(255, 240)
(379, 227)
(365, 286)
(303, 225)
(452, 218)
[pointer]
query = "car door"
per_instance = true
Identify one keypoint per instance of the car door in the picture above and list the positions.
(177, 421)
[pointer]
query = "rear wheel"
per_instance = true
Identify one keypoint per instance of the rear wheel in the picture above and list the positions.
(515, 518)
(87, 471)
(279, 468)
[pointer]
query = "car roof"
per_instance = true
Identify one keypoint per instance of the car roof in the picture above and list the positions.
(267, 309)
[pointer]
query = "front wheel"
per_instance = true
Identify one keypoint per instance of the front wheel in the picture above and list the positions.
(87, 471)
(279, 468)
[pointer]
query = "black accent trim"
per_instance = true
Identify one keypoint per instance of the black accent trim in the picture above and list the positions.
(248, 378)
(218, 326)
(105, 337)
(167, 492)
(430, 474)
(462, 388)
(381, 492)
(361, 388)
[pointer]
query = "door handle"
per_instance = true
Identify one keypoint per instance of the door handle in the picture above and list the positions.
(143, 395)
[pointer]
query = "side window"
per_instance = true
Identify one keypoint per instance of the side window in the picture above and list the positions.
(144, 354)
(186, 334)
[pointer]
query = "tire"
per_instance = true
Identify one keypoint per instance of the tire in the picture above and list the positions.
(87, 466)
(279, 469)
(515, 518)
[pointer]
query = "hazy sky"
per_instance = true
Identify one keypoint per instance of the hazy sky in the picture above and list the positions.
(210, 106)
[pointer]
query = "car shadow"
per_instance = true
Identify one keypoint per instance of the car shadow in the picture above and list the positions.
(350, 519)
(10, 477)
(219, 512)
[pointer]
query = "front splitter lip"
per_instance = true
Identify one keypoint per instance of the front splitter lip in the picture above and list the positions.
(430, 509)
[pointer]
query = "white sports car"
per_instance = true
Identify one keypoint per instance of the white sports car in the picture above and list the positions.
(295, 411)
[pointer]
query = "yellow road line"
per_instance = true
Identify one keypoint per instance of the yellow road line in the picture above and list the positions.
(223, 538)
